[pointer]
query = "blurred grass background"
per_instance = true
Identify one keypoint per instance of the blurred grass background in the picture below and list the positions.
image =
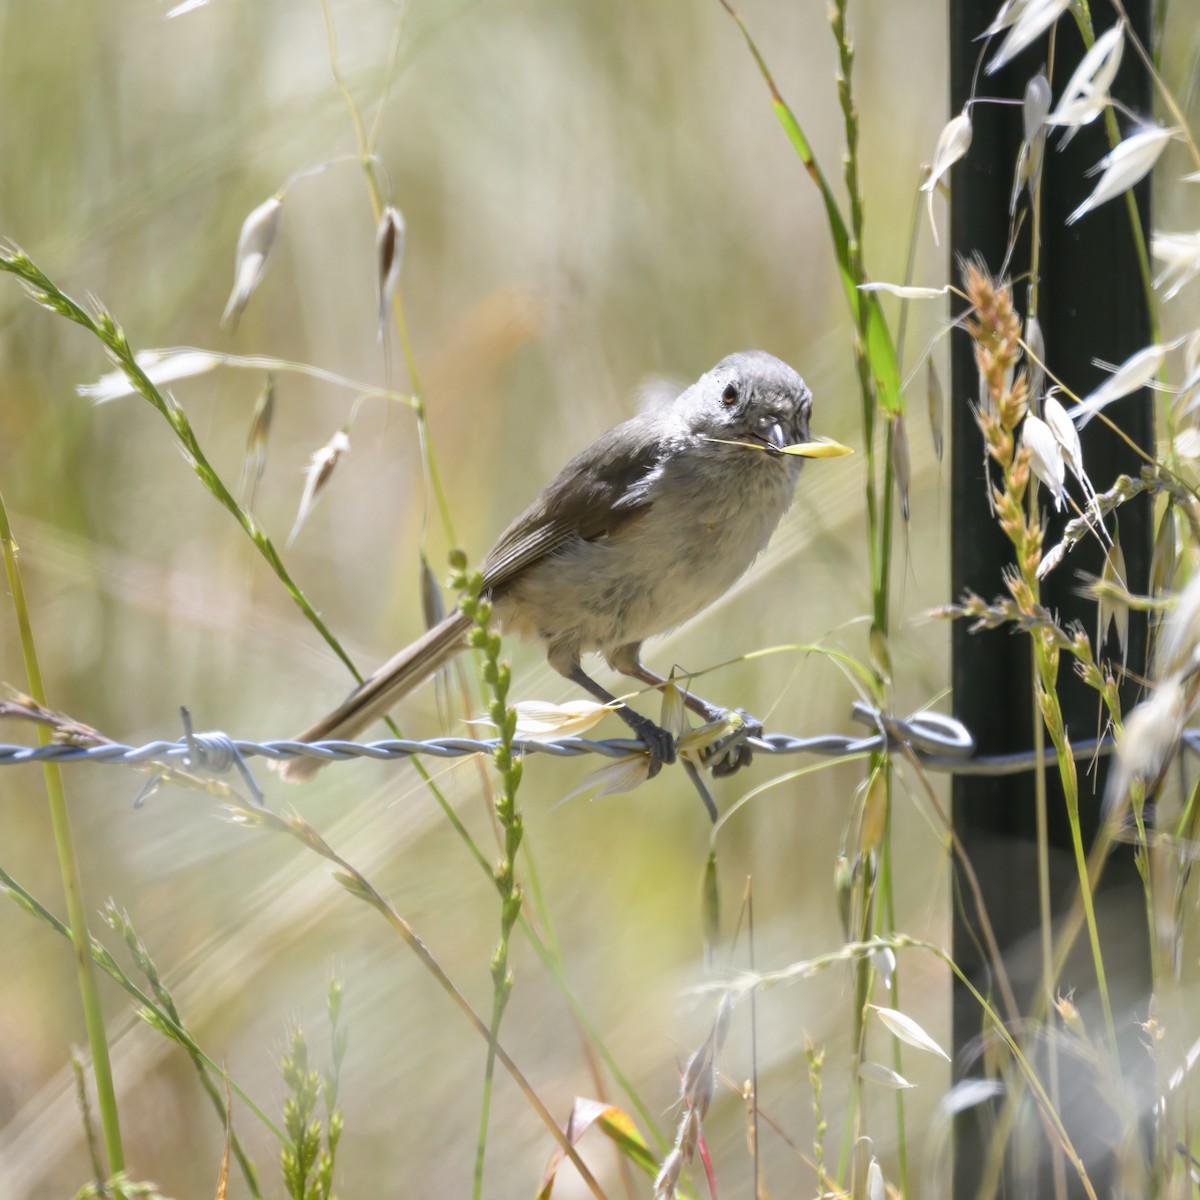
(596, 196)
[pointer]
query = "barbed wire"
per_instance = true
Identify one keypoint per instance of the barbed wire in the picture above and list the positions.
(939, 742)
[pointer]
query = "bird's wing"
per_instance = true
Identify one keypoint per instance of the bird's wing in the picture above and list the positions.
(597, 492)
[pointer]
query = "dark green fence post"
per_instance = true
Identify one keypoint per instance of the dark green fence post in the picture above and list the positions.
(1092, 305)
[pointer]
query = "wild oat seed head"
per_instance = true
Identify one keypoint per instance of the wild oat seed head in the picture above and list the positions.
(389, 254)
(255, 242)
(1125, 165)
(876, 1188)
(1045, 457)
(1164, 559)
(1180, 254)
(935, 399)
(1131, 376)
(1035, 106)
(1033, 19)
(1036, 356)
(952, 144)
(1086, 94)
(320, 470)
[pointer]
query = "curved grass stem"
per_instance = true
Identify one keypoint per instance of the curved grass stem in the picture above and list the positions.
(68, 862)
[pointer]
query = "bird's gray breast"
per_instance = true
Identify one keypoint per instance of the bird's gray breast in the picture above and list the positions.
(708, 517)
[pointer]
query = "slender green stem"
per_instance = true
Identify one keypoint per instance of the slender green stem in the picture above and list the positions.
(93, 1015)
(363, 144)
(498, 678)
(879, 510)
(887, 917)
(1041, 805)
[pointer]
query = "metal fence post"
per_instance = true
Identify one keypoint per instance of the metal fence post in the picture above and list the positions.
(1092, 305)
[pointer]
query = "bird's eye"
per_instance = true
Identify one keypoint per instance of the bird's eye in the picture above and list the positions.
(730, 394)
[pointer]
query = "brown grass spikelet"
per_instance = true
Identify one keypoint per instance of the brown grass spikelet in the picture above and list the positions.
(995, 329)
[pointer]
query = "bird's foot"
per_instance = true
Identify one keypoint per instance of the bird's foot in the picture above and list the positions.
(659, 742)
(733, 751)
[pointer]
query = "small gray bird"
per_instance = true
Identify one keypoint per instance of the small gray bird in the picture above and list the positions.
(639, 532)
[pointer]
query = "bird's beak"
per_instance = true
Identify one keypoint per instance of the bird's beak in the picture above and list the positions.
(774, 436)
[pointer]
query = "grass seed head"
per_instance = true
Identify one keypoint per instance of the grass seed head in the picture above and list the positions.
(255, 242)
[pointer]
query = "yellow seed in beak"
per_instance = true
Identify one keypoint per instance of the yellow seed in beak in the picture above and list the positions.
(817, 450)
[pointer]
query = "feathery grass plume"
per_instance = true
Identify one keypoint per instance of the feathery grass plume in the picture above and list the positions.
(320, 469)
(389, 256)
(254, 463)
(254, 245)
(1033, 19)
(952, 144)
(935, 399)
(1124, 165)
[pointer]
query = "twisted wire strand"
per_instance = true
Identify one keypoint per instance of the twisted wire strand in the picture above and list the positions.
(939, 742)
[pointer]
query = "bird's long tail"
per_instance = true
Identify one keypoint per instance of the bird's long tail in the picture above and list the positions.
(378, 693)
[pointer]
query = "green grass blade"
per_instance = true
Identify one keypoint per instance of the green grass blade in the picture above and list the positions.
(879, 348)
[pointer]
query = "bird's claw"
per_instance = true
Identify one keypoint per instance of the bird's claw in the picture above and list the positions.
(660, 744)
(733, 752)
